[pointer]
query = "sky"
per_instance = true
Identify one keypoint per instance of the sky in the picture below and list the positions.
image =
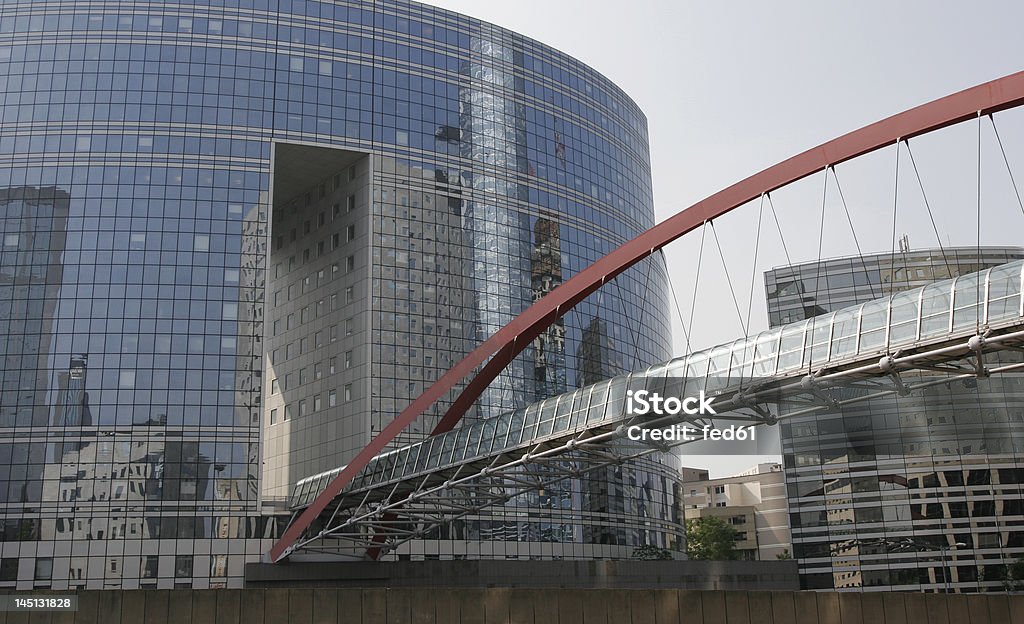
(730, 88)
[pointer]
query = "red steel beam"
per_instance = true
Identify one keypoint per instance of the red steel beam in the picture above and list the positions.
(510, 340)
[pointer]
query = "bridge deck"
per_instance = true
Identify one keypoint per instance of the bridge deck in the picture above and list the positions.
(924, 328)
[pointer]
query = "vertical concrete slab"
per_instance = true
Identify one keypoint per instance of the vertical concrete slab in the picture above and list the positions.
(850, 609)
(759, 605)
(872, 608)
(375, 606)
(895, 607)
(737, 607)
(1016, 608)
(917, 608)
(179, 610)
(713, 606)
(999, 608)
(977, 608)
(641, 605)
(275, 604)
(957, 608)
(938, 613)
(421, 606)
(497, 605)
(157, 606)
(398, 606)
(619, 605)
(108, 606)
(471, 606)
(783, 609)
(520, 607)
(40, 617)
(691, 608)
(666, 606)
(300, 606)
(204, 606)
(828, 608)
(446, 606)
(545, 606)
(350, 606)
(88, 606)
(325, 605)
(805, 606)
(570, 605)
(133, 606)
(595, 607)
(252, 607)
(229, 606)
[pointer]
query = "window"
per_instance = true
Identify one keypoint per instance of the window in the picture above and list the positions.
(302, 407)
(318, 370)
(304, 345)
(322, 219)
(335, 241)
(332, 365)
(44, 568)
(350, 204)
(303, 376)
(332, 398)
(352, 172)
(275, 388)
(202, 243)
(183, 566)
(316, 403)
(334, 333)
(337, 210)
(350, 263)
(149, 567)
(348, 392)
(349, 294)
(719, 489)
(318, 338)
(218, 565)
(9, 569)
(273, 416)
(350, 233)
(349, 327)
(348, 359)
(291, 321)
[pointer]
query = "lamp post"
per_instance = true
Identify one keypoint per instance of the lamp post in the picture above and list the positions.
(944, 549)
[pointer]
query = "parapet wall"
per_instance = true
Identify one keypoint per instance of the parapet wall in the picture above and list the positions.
(526, 606)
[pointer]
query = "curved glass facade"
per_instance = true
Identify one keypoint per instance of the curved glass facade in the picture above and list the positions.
(922, 492)
(157, 198)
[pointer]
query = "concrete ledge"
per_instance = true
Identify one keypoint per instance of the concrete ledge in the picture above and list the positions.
(726, 575)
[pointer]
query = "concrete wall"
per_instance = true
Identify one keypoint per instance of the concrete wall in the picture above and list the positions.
(490, 573)
(526, 606)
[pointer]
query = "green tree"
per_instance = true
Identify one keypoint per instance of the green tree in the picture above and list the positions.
(710, 539)
(652, 553)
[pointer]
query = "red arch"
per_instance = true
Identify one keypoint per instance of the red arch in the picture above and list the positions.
(509, 341)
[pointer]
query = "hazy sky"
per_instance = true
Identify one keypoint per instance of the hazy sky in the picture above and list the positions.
(730, 88)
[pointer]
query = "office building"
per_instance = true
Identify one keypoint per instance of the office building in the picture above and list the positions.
(752, 502)
(919, 492)
(239, 238)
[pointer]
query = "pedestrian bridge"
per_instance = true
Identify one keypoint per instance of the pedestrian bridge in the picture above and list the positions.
(969, 326)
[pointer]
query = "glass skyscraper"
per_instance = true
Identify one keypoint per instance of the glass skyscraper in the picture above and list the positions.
(240, 236)
(914, 493)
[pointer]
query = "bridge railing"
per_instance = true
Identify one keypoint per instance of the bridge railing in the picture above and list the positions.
(946, 309)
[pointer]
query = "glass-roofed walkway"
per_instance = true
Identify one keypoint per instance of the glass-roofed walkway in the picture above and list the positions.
(926, 327)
